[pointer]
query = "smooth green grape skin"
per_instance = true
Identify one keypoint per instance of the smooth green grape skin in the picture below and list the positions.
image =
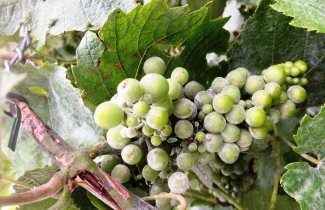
(108, 115)
(156, 140)
(155, 86)
(231, 133)
(287, 109)
(227, 170)
(159, 187)
(154, 65)
(200, 136)
(180, 75)
(269, 123)
(284, 87)
(255, 117)
(163, 174)
(262, 99)
(149, 174)
(233, 92)
(130, 90)
(302, 65)
(274, 89)
(141, 108)
(201, 148)
(217, 178)
(283, 98)
(192, 88)
(242, 103)
(167, 130)
(192, 147)
(294, 71)
(207, 108)
(214, 144)
(236, 115)
(206, 157)
(185, 161)
(147, 130)
(163, 203)
(109, 162)
(194, 183)
(183, 108)
(295, 81)
(174, 88)
(158, 159)
(131, 154)
(275, 115)
(245, 138)
(166, 103)
(131, 121)
(222, 103)
(130, 132)
(288, 64)
(114, 138)
(202, 98)
(236, 78)
(214, 122)
(248, 103)
(289, 80)
(121, 173)
(275, 74)
(229, 153)
(201, 115)
(303, 81)
(183, 129)
(178, 182)
(297, 94)
(254, 83)
(218, 84)
(157, 117)
(259, 132)
(244, 71)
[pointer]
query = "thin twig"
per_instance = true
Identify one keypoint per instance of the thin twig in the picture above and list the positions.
(178, 197)
(16, 182)
(201, 197)
(53, 58)
(276, 176)
(230, 199)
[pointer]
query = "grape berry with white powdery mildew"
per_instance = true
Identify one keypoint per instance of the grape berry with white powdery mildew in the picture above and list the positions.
(166, 126)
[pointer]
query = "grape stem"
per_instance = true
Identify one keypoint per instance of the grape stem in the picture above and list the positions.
(276, 176)
(307, 157)
(229, 198)
(201, 197)
(16, 182)
(180, 198)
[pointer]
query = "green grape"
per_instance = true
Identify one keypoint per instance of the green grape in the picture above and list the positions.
(147, 98)
(121, 173)
(225, 180)
(242, 103)
(163, 203)
(295, 81)
(129, 90)
(245, 138)
(258, 132)
(269, 123)
(289, 80)
(183, 143)
(294, 71)
(130, 132)
(243, 149)
(216, 177)
(297, 94)
(183, 108)
(248, 103)
(200, 136)
(262, 99)
(192, 147)
(288, 71)
(222, 103)
(174, 202)
(236, 115)
(287, 109)
(244, 71)
(193, 115)
(236, 78)
(180, 75)
(253, 84)
(131, 154)
(157, 117)
(233, 92)
(201, 115)
(163, 174)
(283, 98)
(183, 129)
(158, 159)
(201, 148)
(108, 115)
(149, 174)
(231, 133)
(171, 110)
(202, 98)
(303, 81)
(288, 64)
(131, 121)
(214, 122)
(147, 130)
(276, 74)
(155, 140)
(154, 65)
(158, 188)
(178, 182)
(192, 88)
(206, 157)
(109, 162)
(185, 161)
(284, 87)
(141, 108)
(207, 108)
(275, 115)
(218, 84)
(255, 117)
(195, 154)
(239, 167)
(214, 144)
(166, 103)
(194, 183)
(274, 89)
(229, 153)
(155, 86)
(302, 65)
(167, 130)
(114, 138)
(174, 88)
(227, 170)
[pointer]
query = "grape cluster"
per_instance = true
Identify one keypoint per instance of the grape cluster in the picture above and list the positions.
(168, 125)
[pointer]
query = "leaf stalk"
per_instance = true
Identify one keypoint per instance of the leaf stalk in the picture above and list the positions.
(276, 176)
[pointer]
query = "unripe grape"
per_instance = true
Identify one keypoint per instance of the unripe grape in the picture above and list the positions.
(202, 98)
(297, 94)
(262, 99)
(227, 170)
(244, 71)
(239, 167)
(248, 103)
(114, 138)
(242, 103)
(245, 138)
(287, 109)
(214, 144)
(108, 115)
(236, 115)
(217, 178)
(229, 153)
(288, 71)
(274, 89)
(283, 98)
(163, 174)
(258, 132)
(194, 114)
(207, 108)
(183, 108)
(131, 154)
(231, 133)
(156, 86)
(130, 132)
(288, 64)
(201, 148)
(192, 147)
(275, 115)
(302, 65)
(174, 202)
(147, 130)
(147, 98)
(243, 149)
(275, 74)
(200, 136)
(121, 173)
(284, 87)
(294, 71)
(201, 115)
(157, 159)
(129, 90)
(214, 122)
(149, 174)
(289, 80)
(180, 75)
(163, 203)
(192, 88)
(166, 103)
(109, 162)
(206, 157)
(171, 109)
(185, 161)
(255, 117)
(253, 84)
(154, 65)
(157, 117)
(178, 182)
(183, 129)
(233, 92)
(155, 140)
(303, 81)
(141, 108)
(236, 78)
(194, 183)
(131, 121)
(167, 130)
(174, 88)
(222, 103)
(158, 188)
(269, 123)
(218, 84)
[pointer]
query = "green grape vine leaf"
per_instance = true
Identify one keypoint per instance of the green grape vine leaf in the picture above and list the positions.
(61, 107)
(204, 173)
(301, 181)
(312, 20)
(56, 16)
(267, 39)
(5, 171)
(218, 6)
